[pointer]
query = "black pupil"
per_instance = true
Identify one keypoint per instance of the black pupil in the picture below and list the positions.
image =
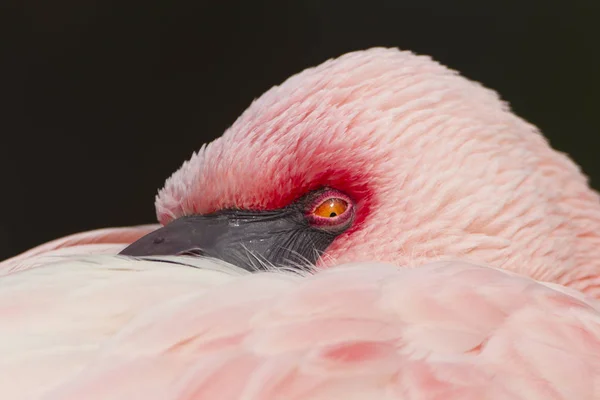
(332, 215)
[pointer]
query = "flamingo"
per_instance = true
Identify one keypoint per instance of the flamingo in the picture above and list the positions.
(376, 227)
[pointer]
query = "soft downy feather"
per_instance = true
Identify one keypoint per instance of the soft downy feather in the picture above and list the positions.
(438, 165)
(98, 241)
(109, 327)
(457, 176)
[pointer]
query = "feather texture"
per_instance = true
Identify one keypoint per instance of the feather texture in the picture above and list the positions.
(438, 166)
(448, 185)
(107, 327)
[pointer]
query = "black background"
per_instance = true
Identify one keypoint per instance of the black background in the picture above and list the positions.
(104, 101)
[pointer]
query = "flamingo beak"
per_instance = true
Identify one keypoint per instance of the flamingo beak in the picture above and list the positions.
(252, 240)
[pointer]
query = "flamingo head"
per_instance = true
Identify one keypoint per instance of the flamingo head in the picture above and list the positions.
(381, 155)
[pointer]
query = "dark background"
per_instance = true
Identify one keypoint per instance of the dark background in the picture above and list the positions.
(105, 101)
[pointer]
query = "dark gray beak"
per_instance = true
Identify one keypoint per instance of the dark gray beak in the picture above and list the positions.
(247, 239)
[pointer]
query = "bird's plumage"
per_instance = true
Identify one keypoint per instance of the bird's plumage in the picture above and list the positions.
(99, 241)
(438, 165)
(475, 252)
(108, 327)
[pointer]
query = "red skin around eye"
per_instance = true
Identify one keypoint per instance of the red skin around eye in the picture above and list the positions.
(330, 222)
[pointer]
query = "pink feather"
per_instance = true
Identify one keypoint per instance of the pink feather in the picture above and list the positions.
(498, 235)
(111, 328)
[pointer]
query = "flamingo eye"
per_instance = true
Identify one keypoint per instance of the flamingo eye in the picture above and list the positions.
(331, 209)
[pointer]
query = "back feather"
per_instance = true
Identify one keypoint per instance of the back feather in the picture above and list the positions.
(108, 327)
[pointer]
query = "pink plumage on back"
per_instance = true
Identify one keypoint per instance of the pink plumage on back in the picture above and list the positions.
(447, 330)
(447, 183)
(109, 241)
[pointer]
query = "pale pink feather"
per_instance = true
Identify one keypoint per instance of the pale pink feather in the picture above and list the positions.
(446, 172)
(110, 328)
(108, 240)
(441, 165)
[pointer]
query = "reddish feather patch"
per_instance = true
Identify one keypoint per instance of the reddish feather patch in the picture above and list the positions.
(348, 182)
(357, 352)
